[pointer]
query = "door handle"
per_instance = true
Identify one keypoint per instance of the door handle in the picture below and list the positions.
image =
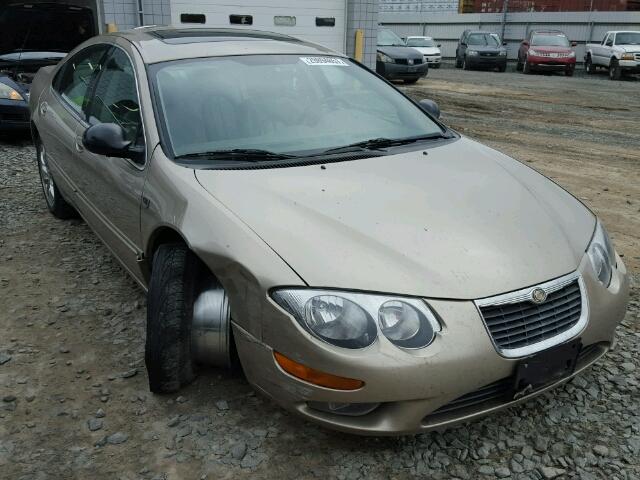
(79, 146)
(43, 108)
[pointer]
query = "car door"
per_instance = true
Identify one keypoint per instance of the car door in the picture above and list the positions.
(60, 111)
(112, 187)
(603, 50)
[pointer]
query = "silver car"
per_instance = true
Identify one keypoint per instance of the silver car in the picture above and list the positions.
(289, 210)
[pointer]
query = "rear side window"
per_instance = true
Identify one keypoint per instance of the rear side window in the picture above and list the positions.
(73, 79)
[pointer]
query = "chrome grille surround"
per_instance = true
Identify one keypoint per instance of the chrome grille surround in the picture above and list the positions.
(525, 295)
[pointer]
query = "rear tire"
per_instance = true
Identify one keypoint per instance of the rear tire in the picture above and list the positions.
(170, 365)
(615, 72)
(56, 203)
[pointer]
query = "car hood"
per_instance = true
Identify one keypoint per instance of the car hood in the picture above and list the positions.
(484, 48)
(462, 222)
(630, 48)
(400, 52)
(428, 50)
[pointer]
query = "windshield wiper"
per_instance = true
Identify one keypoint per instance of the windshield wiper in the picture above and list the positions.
(246, 154)
(380, 143)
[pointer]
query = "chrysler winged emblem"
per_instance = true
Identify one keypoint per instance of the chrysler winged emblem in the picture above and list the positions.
(538, 295)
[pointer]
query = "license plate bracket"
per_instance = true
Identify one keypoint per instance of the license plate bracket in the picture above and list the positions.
(546, 367)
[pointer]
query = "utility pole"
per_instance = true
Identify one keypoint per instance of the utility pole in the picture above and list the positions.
(505, 8)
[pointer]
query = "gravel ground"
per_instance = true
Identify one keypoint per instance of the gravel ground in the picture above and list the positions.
(73, 390)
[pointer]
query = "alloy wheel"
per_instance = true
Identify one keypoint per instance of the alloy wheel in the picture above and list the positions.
(48, 186)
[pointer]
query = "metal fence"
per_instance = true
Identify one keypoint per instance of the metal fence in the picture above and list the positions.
(582, 27)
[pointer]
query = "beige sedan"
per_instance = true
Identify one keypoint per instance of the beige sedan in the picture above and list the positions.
(289, 210)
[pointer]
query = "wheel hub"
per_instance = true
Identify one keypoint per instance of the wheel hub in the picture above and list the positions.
(45, 176)
(211, 326)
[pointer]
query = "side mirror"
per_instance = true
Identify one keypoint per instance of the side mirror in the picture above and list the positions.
(107, 139)
(464, 44)
(525, 43)
(430, 107)
(574, 44)
(439, 45)
(504, 44)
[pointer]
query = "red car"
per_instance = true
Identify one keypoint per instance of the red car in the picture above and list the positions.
(547, 50)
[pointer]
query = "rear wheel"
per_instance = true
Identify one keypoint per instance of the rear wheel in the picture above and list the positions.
(56, 204)
(615, 72)
(589, 67)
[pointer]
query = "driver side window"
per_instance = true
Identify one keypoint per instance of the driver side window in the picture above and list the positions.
(115, 97)
(609, 42)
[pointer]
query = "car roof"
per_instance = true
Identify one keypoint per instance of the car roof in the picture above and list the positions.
(550, 32)
(161, 44)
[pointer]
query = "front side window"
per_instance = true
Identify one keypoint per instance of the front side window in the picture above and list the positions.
(558, 40)
(115, 97)
(73, 79)
(281, 103)
(483, 39)
(420, 42)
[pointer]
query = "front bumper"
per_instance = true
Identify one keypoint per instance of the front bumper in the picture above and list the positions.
(417, 388)
(396, 71)
(551, 63)
(485, 61)
(432, 59)
(630, 66)
(14, 115)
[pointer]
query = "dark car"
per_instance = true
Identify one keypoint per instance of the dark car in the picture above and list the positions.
(481, 49)
(548, 50)
(396, 61)
(34, 35)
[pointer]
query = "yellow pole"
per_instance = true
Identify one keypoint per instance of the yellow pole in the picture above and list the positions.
(359, 50)
(112, 27)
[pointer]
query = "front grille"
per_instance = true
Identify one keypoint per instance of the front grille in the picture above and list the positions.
(524, 323)
(488, 54)
(404, 61)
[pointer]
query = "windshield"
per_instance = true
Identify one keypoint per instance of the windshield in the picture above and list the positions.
(557, 40)
(386, 38)
(286, 104)
(486, 39)
(420, 42)
(628, 38)
(44, 28)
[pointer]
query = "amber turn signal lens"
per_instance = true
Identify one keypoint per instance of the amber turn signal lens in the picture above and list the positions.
(315, 376)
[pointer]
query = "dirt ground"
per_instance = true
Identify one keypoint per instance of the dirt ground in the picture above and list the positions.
(74, 401)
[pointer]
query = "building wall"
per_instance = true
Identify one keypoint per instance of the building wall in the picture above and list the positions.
(363, 14)
(431, 6)
(125, 13)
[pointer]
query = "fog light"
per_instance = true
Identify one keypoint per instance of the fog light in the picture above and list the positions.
(347, 409)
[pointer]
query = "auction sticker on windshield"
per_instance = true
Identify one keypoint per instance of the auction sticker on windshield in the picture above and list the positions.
(324, 61)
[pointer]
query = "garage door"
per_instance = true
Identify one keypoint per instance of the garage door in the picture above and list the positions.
(320, 21)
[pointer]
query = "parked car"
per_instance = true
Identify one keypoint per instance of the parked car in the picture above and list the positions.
(428, 48)
(396, 61)
(547, 50)
(372, 270)
(481, 49)
(34, 35)
(619, 52)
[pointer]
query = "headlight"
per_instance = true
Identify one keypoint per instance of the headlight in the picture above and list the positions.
(533, 52)
(381, 57)
(602, 254)
(628, 56)
(9, 93)
(348, 319)
(503, 53)
(472, 52)
(571, 54)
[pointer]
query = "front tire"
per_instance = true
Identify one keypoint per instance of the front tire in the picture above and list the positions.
(56, 203)
(615, 72)
(172, 290)
(568, 72)
(526, 68)
(589, 66)
(465, 64)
